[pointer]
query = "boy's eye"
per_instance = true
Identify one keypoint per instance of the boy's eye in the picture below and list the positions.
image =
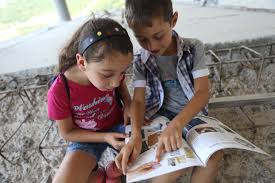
(141, 39)
(158, 37)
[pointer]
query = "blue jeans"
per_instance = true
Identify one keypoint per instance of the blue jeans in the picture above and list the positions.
(94, 149)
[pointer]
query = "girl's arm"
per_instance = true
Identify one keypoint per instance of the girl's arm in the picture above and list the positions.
(126, 99)
(132, 149)
(66, 130)
(69, 133)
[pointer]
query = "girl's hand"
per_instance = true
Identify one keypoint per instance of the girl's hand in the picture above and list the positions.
(115, 139)
(170, 139)
(129, 153)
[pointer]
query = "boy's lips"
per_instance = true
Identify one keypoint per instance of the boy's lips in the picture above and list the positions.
(155, 51)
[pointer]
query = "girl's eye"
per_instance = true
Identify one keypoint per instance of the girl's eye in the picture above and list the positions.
(107, 76)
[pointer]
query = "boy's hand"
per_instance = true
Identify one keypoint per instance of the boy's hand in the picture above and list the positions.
(115, 139)
(170, 139)
(129, 153)
(147, 122)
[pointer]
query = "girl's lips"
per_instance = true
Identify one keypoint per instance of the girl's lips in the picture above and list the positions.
(106, 89)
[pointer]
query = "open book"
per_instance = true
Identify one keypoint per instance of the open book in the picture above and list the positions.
(202, 137)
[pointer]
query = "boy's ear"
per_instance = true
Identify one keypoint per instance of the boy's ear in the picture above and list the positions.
(174, 19)
(81, 62)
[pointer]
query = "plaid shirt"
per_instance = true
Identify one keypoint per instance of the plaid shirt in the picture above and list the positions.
(145, 63)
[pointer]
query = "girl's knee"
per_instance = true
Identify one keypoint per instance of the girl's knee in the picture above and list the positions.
(75, 167)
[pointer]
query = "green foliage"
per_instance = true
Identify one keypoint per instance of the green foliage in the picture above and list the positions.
(17, 14)
(100, 5)
(21, 10)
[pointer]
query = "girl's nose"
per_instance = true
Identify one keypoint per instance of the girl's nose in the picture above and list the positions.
(115, 84)
(116, 81)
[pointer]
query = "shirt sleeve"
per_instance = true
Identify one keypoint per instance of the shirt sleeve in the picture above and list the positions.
(139, 74)
(58, 101)
(199, 67)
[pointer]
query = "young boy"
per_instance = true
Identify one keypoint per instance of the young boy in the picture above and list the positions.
(170, 79)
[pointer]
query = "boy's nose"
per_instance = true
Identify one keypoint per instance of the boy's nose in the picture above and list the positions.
(152, 46)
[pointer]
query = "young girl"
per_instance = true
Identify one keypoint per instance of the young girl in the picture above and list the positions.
(82, 99)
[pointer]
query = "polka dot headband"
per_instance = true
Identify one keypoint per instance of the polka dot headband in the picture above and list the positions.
(99, 35)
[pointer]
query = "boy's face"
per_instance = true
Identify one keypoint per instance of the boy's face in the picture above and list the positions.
(157, 38)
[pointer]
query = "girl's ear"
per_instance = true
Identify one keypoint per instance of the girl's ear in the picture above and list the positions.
(174, 19)
(81, 62)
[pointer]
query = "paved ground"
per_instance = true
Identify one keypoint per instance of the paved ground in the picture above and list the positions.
(211, 25)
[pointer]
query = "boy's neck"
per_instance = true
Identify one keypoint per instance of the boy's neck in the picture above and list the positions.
(172, 49)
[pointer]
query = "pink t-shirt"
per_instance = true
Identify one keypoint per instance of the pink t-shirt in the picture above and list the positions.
(90, 108)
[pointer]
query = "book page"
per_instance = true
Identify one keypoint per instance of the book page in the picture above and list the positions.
(145, 166)
(206, 135)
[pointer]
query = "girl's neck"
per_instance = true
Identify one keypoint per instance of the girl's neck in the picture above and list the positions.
(77, 76)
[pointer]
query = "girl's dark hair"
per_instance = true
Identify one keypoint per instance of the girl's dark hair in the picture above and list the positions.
(141, 12)
(97, 51)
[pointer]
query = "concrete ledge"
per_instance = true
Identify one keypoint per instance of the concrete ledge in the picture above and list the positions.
(236, 101)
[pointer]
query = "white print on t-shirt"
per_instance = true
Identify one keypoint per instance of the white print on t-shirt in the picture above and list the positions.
(87, 115)
(105, 113)
(97, 100)
(92, 112)
(91, 124)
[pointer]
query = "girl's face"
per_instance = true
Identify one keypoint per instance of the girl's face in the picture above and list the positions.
(108, 73)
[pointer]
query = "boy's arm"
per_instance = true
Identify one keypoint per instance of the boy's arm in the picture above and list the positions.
(196, 104)
(126, 99)
(171, 138)
(131, 150)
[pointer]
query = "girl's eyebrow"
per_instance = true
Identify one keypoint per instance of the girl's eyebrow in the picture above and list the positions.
(108, 70)
(112, 71)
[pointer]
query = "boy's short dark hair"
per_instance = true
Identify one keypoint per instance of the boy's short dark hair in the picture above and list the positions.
(141, 12)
